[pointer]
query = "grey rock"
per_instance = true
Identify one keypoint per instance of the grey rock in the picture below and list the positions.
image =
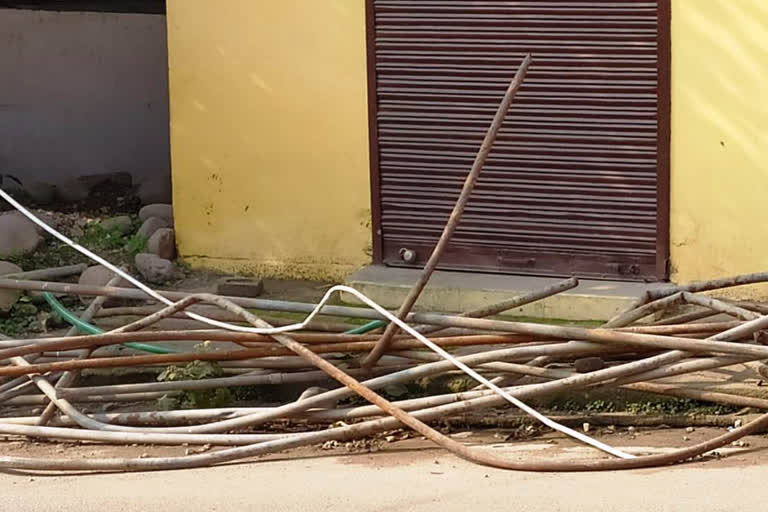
(122, 224)
(98, 275)
(155, 190)
(17, 235)
(155, 269)
(151, 225)
(8, 297)
(162, 243)
(72, 191)
(11, 186)
(41, 193)
(240, 286)
(47, 218)
(164, 211)
(6, 267)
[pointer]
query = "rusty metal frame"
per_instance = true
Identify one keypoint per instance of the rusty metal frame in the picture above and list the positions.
(663, 113)
(373, 134)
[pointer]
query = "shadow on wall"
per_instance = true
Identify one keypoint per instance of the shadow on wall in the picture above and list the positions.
(84, 94)
(719, 137)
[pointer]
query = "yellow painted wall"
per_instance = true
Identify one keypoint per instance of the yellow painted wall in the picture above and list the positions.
(269, 136)
(719, 187)
(270, 151)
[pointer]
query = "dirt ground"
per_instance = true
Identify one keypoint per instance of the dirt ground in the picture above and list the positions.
(404, 475)
(382, 452)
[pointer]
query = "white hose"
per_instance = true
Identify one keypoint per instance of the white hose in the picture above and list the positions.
(296, 327)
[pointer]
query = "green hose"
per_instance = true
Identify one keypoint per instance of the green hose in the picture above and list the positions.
(367, 327)
(87, 328)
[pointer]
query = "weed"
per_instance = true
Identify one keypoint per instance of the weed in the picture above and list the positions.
(97, 237)
(662, 406)
(197, 399)
(135, 245)
(110, 243)
(21, 319)
(51, 253)
(679, 406)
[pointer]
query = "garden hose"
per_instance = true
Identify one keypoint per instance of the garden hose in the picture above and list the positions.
(87, 328)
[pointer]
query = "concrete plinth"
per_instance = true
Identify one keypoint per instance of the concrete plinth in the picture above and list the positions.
(463, 291)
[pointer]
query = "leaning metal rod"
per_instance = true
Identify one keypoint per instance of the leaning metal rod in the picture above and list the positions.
(636, 314)
(695, 287)
(719, 306)
(453, 220)
(685, 318)
(506, 305)
(712, 284)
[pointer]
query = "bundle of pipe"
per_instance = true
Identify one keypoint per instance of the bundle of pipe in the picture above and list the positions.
(497, 354)
(635, 355)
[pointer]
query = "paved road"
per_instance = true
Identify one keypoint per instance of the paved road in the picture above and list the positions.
(413, 481)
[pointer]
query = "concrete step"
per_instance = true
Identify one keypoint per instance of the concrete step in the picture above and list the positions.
(463, 291)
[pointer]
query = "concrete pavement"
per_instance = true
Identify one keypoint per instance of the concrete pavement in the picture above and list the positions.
(414, 480)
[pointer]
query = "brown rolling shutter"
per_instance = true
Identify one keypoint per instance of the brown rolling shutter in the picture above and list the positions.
(571, 184)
